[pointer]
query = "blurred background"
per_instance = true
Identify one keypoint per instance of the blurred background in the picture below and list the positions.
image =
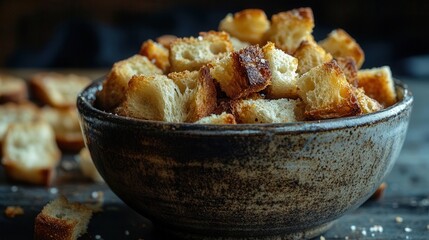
(96, 33)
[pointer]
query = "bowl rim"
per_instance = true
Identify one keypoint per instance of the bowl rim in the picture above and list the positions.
(87, 97)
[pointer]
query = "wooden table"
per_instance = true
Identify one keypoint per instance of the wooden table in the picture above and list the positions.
(402, 213)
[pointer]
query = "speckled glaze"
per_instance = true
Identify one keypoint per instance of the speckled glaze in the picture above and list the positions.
(268, 181)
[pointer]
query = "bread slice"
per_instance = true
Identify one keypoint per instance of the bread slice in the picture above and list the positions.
(223, 118)
(153, 98)
(12, 89)
(265, 110)
(310, 55)
(192, 53)
(378, 84)
(326, 93)
(30, 153)
(242, 73)
(283, 73)
(116, 83)
(87, 166)
(16, 113)
(348, 65)
(61, 219)
(156, 53)
(58, 90)
(290, 28)
(366, 104)
(340, 44)
(248, 25)
(65, 123)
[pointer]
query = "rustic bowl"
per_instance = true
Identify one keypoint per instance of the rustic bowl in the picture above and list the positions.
(265, 181)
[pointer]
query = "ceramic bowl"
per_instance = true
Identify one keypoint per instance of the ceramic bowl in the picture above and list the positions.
(264, 181)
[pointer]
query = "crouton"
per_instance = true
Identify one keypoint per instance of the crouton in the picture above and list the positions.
(192, 53)
(153, 98)
(12, 89)
(243, 72)
(326, 93)
(248, 25)
(58, 90)
(340, 44)
(156, 53)
(348, 65)
(116, 83)
(65, 123)
(30, 153)
(223, 118)
(310, 55)
(378, 84)
(186, 80)
(238, 44)
(290, 28)
(61, 219)
(16, 113)
(265, 110)
(283, 73)
(366, 104)
(166, 40)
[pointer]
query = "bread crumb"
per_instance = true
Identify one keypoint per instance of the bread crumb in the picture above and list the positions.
(407, 229)
(53, 190)
(322, 238)
(12, 211)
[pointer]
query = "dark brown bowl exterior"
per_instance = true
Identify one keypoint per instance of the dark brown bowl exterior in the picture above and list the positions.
(272, 181)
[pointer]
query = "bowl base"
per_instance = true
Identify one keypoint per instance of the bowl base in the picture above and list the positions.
(303, 234)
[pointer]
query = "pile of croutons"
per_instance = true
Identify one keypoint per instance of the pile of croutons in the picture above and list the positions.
(253, 70)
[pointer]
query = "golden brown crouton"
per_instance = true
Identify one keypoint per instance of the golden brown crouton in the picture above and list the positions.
(340, 44)
(223, 118)
(265, 110)
(12, 89)
(154, 97)
(289, 29)
(192, 53)
(248, 25)
(242, 73)
(326, 93)
(283, 73)
(116, 83)
(157, 53)
(367, 104)
(58, 90)
(310, 55)
(348, 65)
(378, 84)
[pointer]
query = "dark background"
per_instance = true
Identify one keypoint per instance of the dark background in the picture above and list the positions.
(96, 33)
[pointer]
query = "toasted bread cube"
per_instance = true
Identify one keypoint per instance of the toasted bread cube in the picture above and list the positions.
(367, 104)
(166, 40)
(223, 118)
(348, 65)
(12, 89)
(58, 90)
(310, 55)
(242, 73)
(153, 98)
(378, 84)
(265, 110)
(198, 90)
(30, 153)
(326, 93)
(192, 53)
(248, 25)
(340, 44)
(61, 219)
(290, 28)
(156, 53)
(283, 73)
(116, 83)
(16, 113)
(65, 123)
